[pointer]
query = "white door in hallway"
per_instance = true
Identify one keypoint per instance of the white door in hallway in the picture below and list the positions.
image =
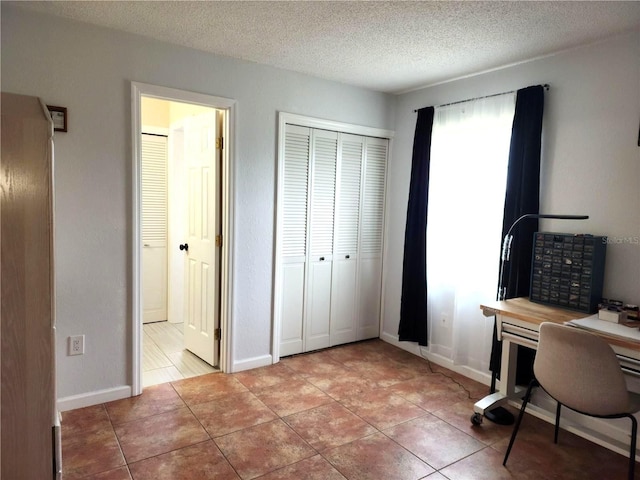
(202, 253)
(154, 227)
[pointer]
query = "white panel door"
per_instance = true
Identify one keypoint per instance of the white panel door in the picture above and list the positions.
(371, 237)
(345, 258)
(177, 223)
(203, 219)
(324, 146)
(154, 227)
(294, 238)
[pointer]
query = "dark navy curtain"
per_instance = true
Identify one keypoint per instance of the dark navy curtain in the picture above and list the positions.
(413, 305)
(522, 197)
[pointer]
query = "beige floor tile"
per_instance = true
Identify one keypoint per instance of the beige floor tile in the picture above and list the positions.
(153, 357)
(164, 356)
(189, 365)
(160, 375)
(166, 336)
(178, 326)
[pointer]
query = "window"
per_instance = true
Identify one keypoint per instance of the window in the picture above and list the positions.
(469, 158)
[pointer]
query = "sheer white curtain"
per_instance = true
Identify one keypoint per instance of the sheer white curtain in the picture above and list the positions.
(469, 157)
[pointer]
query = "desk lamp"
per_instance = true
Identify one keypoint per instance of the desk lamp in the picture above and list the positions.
(508, 239)
(499, 414)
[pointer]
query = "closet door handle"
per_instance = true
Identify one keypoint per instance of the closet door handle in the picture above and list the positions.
(347, 256)
(322, 259)
(184, 246)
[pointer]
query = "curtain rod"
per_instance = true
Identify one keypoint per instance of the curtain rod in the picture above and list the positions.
(545, 86)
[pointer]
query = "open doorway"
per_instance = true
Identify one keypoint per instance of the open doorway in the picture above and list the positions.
(181, 225)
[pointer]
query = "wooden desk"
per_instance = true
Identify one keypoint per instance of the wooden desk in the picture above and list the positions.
(518, 322)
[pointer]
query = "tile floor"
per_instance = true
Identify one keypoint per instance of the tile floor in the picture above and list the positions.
(164, 358)
(362, 411)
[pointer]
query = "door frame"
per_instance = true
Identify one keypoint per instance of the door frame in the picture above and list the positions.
(138, 90)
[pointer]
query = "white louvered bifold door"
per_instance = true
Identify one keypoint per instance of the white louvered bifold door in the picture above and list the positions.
(371, 237)
(294, 198)
(154, 227)
(331, 188)
(345, 259)
(324, 148)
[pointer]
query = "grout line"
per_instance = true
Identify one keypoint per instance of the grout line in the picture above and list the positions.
(113, 428)
(164, 453)
(339, 401)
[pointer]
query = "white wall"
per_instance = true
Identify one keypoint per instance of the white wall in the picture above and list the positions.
(590, 160)
(89, 70)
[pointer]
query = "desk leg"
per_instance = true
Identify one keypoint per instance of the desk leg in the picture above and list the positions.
(508, 368)
(507, 383)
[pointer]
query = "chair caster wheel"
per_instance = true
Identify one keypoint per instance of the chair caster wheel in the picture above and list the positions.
(476, 419)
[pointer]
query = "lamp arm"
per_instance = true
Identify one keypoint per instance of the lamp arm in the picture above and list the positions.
(508, 239)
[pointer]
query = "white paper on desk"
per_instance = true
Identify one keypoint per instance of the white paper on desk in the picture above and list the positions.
(609, 328)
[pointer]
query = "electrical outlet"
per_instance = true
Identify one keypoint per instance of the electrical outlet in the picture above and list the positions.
(76, 345)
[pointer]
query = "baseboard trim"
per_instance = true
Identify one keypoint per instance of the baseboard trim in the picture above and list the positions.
(249, 363)
(93, 398)
(437, 358)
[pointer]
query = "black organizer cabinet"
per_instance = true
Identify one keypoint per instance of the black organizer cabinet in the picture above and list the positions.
(568, 270)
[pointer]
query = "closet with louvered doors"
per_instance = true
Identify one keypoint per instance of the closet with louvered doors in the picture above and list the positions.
(329, 239)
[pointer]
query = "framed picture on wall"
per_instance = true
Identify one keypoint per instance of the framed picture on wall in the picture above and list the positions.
(59, 117)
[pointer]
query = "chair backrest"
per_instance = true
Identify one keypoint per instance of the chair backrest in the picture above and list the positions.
(580, 370)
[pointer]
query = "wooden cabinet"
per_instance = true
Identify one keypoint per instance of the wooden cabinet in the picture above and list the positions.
(27, 411)
(330, 231)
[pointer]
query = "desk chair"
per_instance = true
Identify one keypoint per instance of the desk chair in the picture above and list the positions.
(580, 371)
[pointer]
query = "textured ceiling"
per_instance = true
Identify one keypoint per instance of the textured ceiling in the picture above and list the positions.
(385, 46)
